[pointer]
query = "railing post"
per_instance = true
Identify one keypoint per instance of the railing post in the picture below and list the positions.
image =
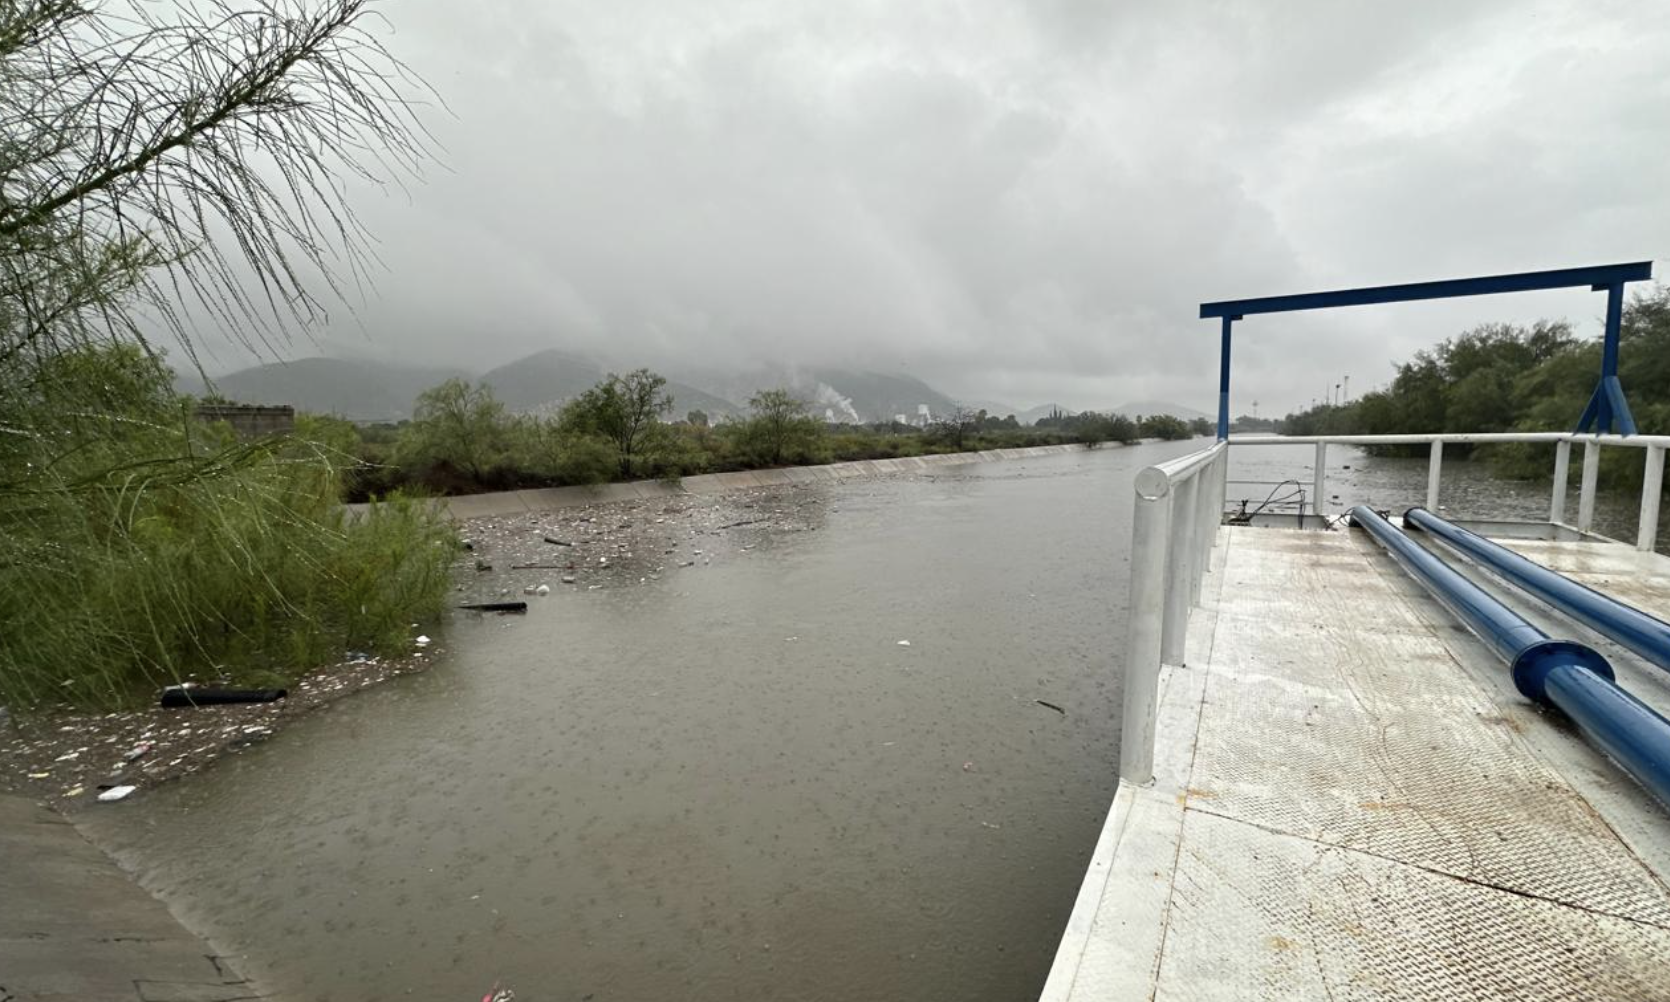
(1562, 473)
(1434, 475)
(1319, 482)
(1150, 532)
(1652, 488)
(1586, 494)
(1179, 562)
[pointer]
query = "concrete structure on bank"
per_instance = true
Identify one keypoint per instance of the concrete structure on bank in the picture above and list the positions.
(251, 420)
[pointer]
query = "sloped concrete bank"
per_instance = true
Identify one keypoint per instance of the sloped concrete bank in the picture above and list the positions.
(74, 926)
(513, 502)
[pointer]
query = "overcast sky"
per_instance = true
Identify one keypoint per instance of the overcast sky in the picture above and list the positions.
(1016, 202)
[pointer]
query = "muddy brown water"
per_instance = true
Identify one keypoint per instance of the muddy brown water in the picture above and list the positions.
(729, 783)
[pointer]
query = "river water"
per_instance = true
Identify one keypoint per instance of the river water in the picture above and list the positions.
(730, 783)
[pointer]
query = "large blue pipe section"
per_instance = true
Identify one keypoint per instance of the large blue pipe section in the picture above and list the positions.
(1572, 677)
(1629, 626)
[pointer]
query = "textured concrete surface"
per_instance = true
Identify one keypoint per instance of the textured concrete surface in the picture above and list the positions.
(1351, 801)
(74, 927)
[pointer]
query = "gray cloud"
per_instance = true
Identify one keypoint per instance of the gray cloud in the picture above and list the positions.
(1023, 203)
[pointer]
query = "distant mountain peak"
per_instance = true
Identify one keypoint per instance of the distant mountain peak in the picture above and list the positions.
(1150, 408)
(364, 389)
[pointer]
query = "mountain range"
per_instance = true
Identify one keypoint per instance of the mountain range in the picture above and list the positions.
(365, 391)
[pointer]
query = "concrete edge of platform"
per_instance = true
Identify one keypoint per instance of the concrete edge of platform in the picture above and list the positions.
(1134, 864)
(1135, 858)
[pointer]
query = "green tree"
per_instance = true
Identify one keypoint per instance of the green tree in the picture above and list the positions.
(626, 410)
(957, 426)
(1092, 429)
(1163, 426)
(458, 424)
(555, 454)
(780, 428)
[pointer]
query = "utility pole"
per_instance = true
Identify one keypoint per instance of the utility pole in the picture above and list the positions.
(1348, 388)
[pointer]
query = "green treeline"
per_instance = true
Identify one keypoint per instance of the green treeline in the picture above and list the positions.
(461, 439)
(1502, 377)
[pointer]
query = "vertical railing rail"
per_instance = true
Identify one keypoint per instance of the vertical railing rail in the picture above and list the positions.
(1319, 479)
(1562, 475)
(1173, 528)
(1591, 479)
(1652, 489)
(1434, 474)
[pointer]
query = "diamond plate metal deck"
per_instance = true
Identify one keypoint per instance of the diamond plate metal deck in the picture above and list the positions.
(1352, 802)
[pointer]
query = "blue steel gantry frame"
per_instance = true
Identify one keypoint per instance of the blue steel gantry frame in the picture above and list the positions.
(1607, 410)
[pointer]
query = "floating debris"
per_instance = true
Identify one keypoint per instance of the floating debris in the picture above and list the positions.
(115, 793)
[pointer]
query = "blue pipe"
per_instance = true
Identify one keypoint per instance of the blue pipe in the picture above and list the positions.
(1629, 626)
(1572, 677)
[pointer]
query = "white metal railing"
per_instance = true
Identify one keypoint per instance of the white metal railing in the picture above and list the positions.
(1652, 487)
(1178, 507)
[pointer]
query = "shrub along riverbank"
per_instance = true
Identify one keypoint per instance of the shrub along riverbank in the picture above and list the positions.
(462, 440)
(139, 547)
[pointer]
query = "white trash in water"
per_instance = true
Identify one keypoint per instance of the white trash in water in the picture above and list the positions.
(422, 640)
(116, 793)
(904, 643)
(542, 590)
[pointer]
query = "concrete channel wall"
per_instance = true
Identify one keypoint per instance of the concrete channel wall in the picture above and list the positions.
(516, 502)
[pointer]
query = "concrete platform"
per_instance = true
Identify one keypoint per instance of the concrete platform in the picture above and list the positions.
(1352, 802)
(74, 926)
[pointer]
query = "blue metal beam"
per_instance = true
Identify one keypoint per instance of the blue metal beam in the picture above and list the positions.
(1572, 677)
(1629, 626)
(1607, 411)
(1597, 277)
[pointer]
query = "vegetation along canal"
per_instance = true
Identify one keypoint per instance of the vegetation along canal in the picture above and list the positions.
(729, 781)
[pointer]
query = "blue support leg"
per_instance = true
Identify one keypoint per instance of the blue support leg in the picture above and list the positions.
(1223, 383)
(1607, 410)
